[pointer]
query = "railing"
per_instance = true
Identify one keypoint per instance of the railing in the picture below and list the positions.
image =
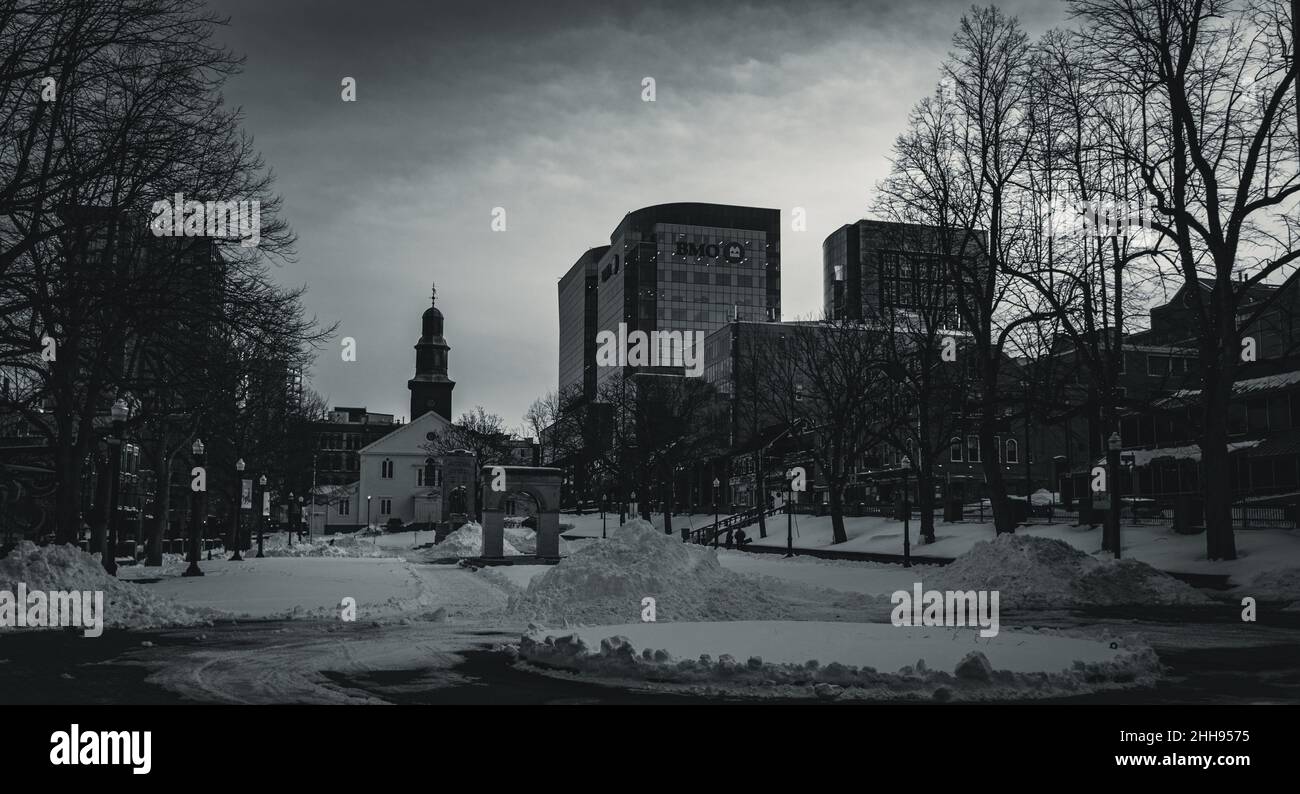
(708, 533)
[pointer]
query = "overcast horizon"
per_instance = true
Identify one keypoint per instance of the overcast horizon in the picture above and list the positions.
(538, 110)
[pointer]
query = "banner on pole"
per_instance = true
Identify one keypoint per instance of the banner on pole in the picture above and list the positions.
(246, 494)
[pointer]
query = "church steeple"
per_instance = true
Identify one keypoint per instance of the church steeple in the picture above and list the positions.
(431, 388)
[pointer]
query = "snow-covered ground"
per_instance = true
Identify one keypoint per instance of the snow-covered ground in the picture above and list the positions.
(849, 660)
(383, 587)
(881, 646)
(1258, 549)
(68, 568)
(588, 525)
(847, 576)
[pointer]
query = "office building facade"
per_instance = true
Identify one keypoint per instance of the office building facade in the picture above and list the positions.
(577, 294)
(672, 267)
(873, 270)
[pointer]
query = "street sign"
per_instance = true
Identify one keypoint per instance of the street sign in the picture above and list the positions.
(246, 494)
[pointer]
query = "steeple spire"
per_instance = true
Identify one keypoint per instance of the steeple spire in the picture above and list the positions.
(431, 388)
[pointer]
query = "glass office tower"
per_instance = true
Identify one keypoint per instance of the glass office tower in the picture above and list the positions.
(687, 267)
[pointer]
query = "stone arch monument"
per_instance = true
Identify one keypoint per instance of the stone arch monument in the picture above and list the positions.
(543, 485)
(458, 488)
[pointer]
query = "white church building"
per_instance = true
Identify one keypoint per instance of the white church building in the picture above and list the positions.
(392, 469)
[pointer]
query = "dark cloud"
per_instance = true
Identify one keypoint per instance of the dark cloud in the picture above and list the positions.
(535, 107)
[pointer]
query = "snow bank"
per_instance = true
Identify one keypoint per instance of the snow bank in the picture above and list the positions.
(467, 542)
(1282, 584)
(126, 605)
(525, 540)
(343, 546)
(1041, 573)
(604, 583)
(780, 659)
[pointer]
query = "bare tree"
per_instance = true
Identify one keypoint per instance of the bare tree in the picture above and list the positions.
(828, 379)
(1215, 83)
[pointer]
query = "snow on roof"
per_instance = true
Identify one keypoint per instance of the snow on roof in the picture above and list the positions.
(1265, 383)
(1143, 457)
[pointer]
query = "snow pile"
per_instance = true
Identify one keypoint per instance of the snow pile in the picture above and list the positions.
(67, 568)
(1281, 584)
(467, 542)
(1040, 663)
(1041, 573)
(525, 540)
(344, 545)
(605, 582)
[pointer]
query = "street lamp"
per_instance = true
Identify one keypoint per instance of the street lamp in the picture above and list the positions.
(789, 513)
(1113, 445)
(288, 520)
(120, 411)
(197, 517)
(368, 498)
(907, 516)
(716, 483)
(261, 484)
(239, 509)
(302, 500)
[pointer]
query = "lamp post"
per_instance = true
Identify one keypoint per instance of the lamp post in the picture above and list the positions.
(368, 498)
(1113, 445)
(261, 519)
(907, 516)
(288, 521)
(301, 515)
(716, 483)
(239, 509)
(120, 412)
(196, 520)
(789, 513)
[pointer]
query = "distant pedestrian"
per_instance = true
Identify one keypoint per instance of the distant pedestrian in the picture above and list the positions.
(741, 539)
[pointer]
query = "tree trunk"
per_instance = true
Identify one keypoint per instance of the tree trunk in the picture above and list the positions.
(98, 518)
(666, 494)
(1219, 541)
(162, 501)
(997, 488)
(925, 498)
(838, 534)
(67, 469)
(1094, 452)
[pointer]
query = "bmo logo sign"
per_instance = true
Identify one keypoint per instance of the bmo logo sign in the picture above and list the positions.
(732, 252)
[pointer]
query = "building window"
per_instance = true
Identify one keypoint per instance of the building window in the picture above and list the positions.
(1157, 365)
(419, 476)
(345, 506)
(954, 450)
(386, 469)
(973, 449)
(1013, 451)
(1257, 415)
(385, 507)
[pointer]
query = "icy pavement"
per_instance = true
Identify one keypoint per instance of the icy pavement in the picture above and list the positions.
(272, 587)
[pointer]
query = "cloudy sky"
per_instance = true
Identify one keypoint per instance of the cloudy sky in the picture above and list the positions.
(536, 107)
